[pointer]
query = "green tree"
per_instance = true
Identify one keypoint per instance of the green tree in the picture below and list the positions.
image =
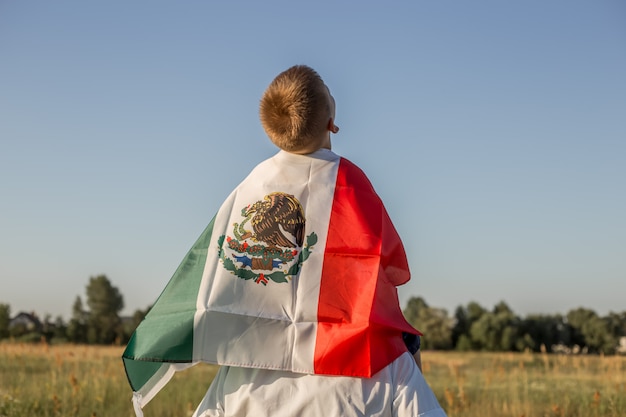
(464, 317)
(5, 320)
(576, 320)
(617, 324)
(460, 328)
(592, 331)
(104, 302)
(434, 323)
(599, 337)
(77, 327)
(413, 308)
(497, 331)
(60, 330)
(544, 330)
(437, 328)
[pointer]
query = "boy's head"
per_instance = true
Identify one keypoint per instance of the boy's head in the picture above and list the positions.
(297, 111)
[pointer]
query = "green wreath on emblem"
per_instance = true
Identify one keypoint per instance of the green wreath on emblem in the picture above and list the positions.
(274, 256)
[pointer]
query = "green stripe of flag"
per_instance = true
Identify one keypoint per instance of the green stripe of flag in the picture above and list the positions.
(166, 334)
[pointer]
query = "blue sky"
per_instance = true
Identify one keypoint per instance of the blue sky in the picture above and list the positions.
(495, 133)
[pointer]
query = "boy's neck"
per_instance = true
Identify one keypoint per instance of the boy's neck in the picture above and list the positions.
(324, 144)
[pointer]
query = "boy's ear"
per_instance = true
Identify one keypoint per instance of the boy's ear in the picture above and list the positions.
(331, 126)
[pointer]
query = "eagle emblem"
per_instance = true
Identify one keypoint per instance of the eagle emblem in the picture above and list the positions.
(275, 248)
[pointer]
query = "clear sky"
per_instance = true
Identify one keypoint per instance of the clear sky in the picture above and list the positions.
(494, 131)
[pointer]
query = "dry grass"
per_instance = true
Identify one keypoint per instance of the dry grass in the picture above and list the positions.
(513, 384)
(74, 380)
(41, 380)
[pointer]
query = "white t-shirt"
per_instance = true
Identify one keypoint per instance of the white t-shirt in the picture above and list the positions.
(398, 390)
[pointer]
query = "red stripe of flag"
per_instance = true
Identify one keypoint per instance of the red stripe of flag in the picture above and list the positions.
(360, 323)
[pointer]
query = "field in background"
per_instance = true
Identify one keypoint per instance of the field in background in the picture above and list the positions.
(41, 380)
(527, 384)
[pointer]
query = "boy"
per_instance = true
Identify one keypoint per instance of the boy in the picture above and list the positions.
(293, 286)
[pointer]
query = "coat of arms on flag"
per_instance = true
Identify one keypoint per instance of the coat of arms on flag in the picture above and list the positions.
(273, 249)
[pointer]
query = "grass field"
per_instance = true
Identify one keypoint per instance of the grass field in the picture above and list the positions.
(67, 380)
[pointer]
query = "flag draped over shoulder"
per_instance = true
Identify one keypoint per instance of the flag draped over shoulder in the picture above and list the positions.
(297, 271)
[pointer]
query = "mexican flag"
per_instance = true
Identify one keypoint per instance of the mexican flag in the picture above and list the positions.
(297, 271)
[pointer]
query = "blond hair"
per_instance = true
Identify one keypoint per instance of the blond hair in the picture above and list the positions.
(295, 109)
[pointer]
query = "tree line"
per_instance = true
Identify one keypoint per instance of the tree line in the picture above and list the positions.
(471, 328)
(474, 328)
(97, 321)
